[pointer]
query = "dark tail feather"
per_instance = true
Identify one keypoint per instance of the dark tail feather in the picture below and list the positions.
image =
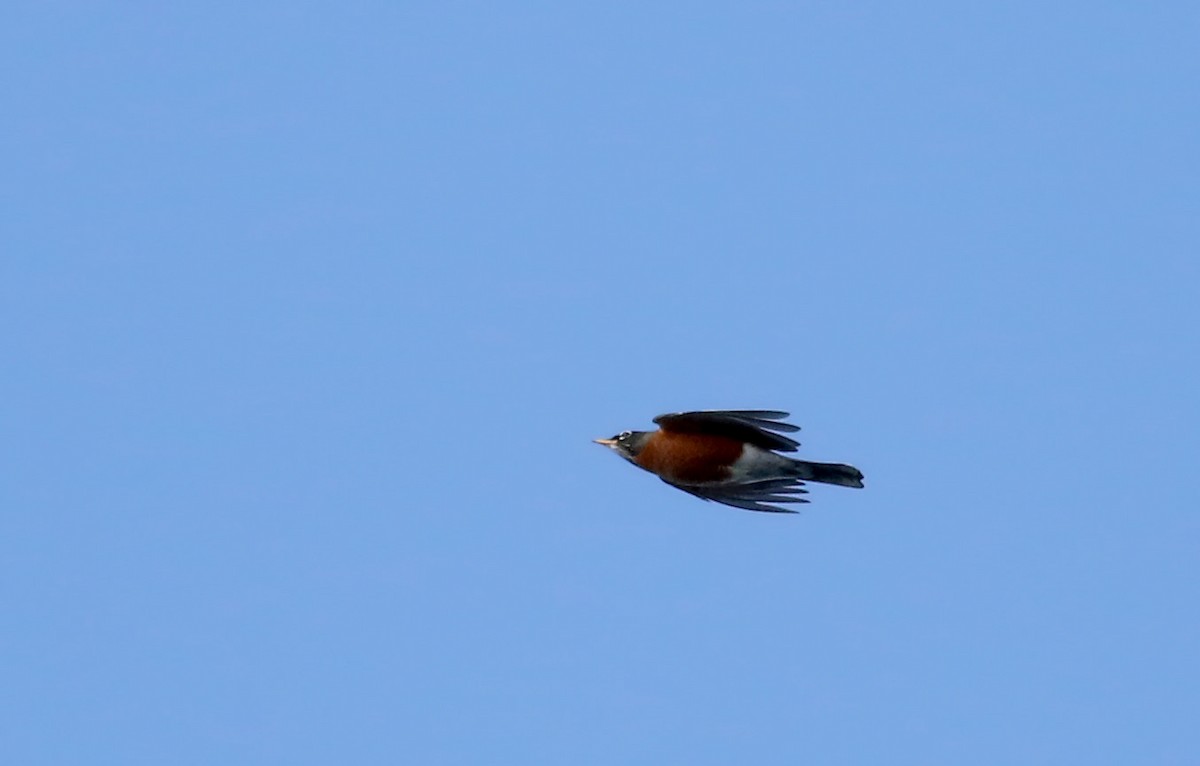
(829, 473)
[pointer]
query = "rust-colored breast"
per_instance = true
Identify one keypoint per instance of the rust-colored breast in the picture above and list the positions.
(689, 458)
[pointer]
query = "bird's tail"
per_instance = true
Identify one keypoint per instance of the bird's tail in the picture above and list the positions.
(828, 473)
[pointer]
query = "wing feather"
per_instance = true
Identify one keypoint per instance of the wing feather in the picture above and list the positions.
(758, 427)
(752, 496)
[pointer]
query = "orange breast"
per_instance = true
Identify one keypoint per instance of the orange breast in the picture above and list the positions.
(689, 458)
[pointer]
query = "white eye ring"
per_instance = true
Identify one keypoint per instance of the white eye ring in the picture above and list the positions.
(624, 435)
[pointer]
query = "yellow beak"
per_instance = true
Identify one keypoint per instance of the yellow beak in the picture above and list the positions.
(605, 442)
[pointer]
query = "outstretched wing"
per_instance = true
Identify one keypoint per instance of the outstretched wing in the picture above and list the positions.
(754, 496)
(757, 427)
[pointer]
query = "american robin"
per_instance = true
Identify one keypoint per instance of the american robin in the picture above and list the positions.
(729, 456)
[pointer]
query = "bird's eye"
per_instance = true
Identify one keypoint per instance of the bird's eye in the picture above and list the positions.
(624, 435)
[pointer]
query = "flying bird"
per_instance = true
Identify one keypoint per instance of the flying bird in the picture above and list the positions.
(729, 457)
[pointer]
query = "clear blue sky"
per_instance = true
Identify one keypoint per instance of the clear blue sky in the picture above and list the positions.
(311, 310)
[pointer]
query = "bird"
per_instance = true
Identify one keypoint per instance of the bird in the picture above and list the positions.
(729, 457)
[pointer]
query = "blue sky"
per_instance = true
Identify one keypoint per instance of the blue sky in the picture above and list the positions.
(311, 311)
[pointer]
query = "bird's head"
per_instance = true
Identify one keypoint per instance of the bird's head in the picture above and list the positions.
(627, 444)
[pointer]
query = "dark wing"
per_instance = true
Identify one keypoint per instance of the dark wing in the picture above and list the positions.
(753, 496)
(755, 426)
